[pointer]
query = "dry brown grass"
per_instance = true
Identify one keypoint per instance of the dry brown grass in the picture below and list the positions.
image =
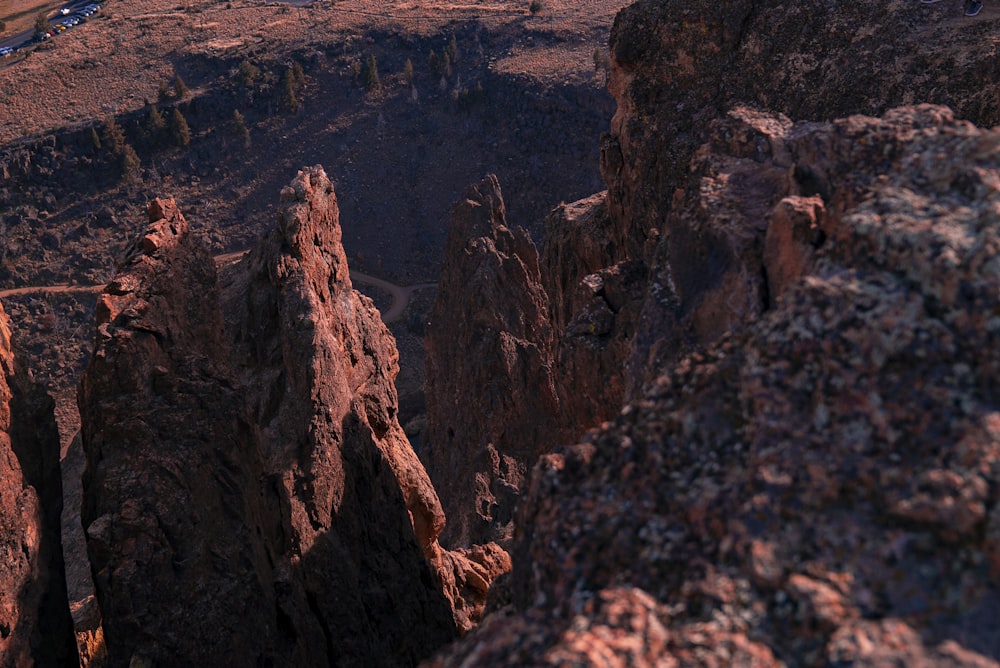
(116, 61)
(20, 14)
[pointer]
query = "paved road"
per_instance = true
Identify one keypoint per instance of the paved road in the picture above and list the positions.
(400, 293)
(22, 38)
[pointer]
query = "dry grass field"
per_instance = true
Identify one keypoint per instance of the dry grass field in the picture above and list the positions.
(18, 15)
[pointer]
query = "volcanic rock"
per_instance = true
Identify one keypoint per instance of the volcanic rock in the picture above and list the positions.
(676, 66)
(492, 406)
(250, 497)
(821, 486)
(594, 303)
(35, 624)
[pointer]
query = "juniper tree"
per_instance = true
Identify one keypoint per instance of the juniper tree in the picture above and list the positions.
(371, 73)
(180, 88)
(240, 127)
(154, 125)
(180, 134)
(435, 63)
(113, 137)
(41, 23)
(289, 99)
(128, 162)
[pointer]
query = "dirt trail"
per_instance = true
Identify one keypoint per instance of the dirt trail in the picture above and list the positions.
(400, 294)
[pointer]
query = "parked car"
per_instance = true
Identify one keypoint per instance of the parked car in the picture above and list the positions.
(6, 51)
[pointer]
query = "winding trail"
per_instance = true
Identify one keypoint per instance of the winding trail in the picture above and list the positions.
(400, 293)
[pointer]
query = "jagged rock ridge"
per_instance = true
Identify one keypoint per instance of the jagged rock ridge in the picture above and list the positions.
(820, 487)
(640, 276)
(489, 338)
(250, 496)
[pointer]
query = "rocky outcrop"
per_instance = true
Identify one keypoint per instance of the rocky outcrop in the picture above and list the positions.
(35, 624)
(492, 406)
(677, 66)
(820, 487)
(250, 497)
(594, 303)
(640, 276)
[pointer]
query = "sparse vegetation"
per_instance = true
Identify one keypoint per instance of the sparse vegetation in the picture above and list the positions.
(180, 88)
(163, 92)
(41, 23)
(408, 71)
(536, 7)
(180, 134)
(240, 127)
(370, 74)
(452, 51)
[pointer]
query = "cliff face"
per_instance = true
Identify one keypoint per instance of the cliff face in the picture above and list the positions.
(678, 65)
(250, 496)
(491, 401)
(821, 486)
(666, 262)
(35, 625)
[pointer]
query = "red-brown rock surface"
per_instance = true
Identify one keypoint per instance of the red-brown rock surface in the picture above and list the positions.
(821, 487)
(678, 65)
(35, 626)
(250, 496)
(594, 304)
(492, 407)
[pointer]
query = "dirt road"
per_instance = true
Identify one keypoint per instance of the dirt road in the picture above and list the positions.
(400, 293)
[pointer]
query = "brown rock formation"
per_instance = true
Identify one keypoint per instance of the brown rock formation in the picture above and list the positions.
(492, 407)
(35, 625)
(637, 278)
(820, 487)
(250, 496)
(677, 66)
(594, 305)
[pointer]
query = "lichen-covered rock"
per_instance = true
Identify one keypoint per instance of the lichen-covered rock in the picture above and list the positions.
(678, 65)
(35, 624)
(821, 486)
(250, 497)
